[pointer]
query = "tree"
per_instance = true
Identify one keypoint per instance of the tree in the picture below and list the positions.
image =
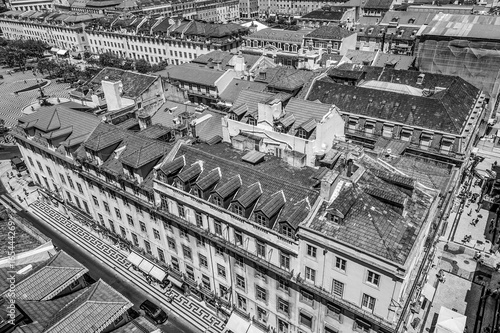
(159, 67)
(108, 59)
(127, 64)
(48, 66)
(142, 66)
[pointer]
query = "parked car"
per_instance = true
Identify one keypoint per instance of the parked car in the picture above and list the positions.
(154, 312)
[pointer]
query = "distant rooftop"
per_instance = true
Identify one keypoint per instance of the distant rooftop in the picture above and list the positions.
(279, 35)
(483, 27)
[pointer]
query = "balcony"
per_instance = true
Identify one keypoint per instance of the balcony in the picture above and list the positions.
(387, 326)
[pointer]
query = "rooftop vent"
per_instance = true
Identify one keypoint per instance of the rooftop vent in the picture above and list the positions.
(420, 78)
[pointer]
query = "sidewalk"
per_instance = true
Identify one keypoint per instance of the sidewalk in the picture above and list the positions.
(194, 313)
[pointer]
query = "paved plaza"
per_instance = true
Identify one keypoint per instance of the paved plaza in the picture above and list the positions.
(11, 104)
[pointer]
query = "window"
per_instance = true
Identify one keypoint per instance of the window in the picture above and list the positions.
(238, 237)
(135, 239)
(307, 297)
(261, 220)
(368, 302)
(311, 251)
(122, 231)
(171, 243)
(310, 274)
(186, 251)
(31, 162)
(118, 214)
(373, 278)
(261, 249)
(261, 315)
(63, 180)
(261, 272)
(285, 261)
(101, 219)
(143, 226)
(241, 302)
(167, 225)
(218, 228)
(238, 261)
(130, 220)
(283, 306)
(182, 212)
(338, 288)
(286, 230)
(183, 233)
(96, 202)
(156, 234)
(49, 171)
(361, 326)
(148, 247)
(161, 255)
(86, 206)
(221, 271)
(340, 263)
(197, 192)
(190, 272)
(217, 200)
(240, 282)
(301, 133)
(205, 280)
(199, 220)
(261, 293)
(306, 320)
(203, 260)
(283, 284)
(283, 326)
(111, 226)
(238, 210)
(78, 185)
(106, 207)
(219, 250)
(39, 166)
(175, 264)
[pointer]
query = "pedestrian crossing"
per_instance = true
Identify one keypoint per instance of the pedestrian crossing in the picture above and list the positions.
(180, 305)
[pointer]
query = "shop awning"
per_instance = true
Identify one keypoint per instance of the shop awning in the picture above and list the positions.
(62, 52)
(134, 258)
(158, 273)
(175, 282)
(54, 49)
(236, 324)
(146, 266)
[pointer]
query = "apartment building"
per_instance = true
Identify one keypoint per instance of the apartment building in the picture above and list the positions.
(432, 115)
(64, 31)
(26, 5)
(245, 232)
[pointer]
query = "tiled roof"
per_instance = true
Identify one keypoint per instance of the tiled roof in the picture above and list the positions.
(295, 214)
(306, 115)
(155, 131)
(91, 311)
(214, 57)
(146, 152)
(211, 127)
(274, 177)
(250, 99)
(408, 17)
(371, 223)
(29, 328)
(249, 195)
(24, 241)
(58, 118)
(446, 111)
(484, 27)
(104, 136)
(279, 35)
(134, 84)
(325, 15)
(209, 180)
(378, 4)
(234, 88)
(138, 325)
(193, 73)
(286, 78)
(163, 26)
(188, 174)
(208, 29)
(47, 281)
(332, 32)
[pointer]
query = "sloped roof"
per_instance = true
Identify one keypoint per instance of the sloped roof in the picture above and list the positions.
(250, 99)
(408, 17)
(332, 32)
(163, 25)
(305, 112)
(138, 325)
(134, 84)
(378, 4)
(208, 29)
(446, 111)
(237, 175)
(279, 35)
(232, 91)
(58, 117)
(285, 78)
(193, 73)
(325, 15)
(457, 26)
(45, 282)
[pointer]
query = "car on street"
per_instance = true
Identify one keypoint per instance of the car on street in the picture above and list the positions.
(154, 312)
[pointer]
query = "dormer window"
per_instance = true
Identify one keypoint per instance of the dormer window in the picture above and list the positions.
(333, 218)
(238, 210)
(286, 230)
(217, 200)
(261, 220)
(233, 116)
(411, 21)
(252, 121)
(197, 192)
(179, 184)
(400, 33)
(301, 133)
(370, 31)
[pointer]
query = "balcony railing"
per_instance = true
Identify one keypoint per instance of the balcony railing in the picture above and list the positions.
(389, 327)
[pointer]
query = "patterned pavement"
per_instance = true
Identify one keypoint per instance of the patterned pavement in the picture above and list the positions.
(11, 104)
(182, 306)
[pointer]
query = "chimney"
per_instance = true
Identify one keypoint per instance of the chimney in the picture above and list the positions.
(113, 94)
(349, 168)
(328, 185)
